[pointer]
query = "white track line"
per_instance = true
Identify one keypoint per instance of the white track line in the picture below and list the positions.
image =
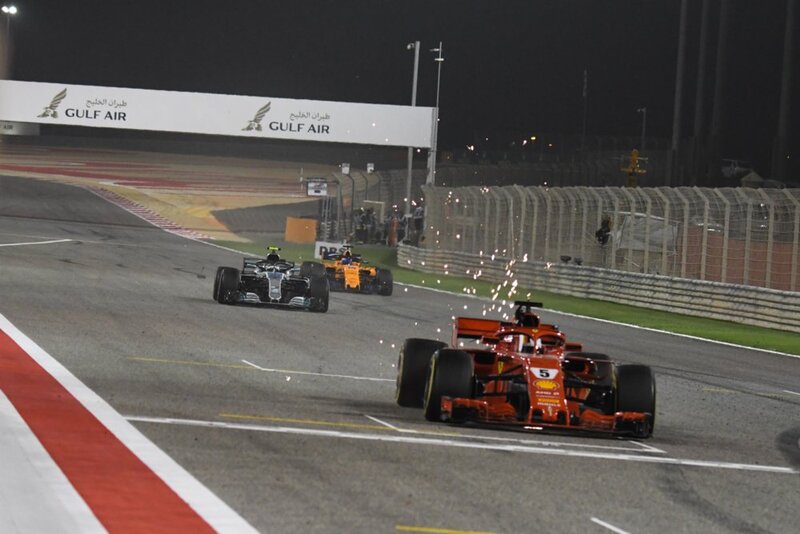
(326, 375)
(448, 442)
(35, 243)
(609, 526)
(647, 447)
(792, 392)
(521, 441)
(384, 423)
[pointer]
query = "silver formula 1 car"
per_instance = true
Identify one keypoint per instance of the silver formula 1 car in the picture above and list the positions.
(273, 281)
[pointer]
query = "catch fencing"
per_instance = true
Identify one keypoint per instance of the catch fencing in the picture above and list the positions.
(735, 236)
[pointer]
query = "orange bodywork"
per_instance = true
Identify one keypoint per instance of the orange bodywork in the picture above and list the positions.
(348, 277)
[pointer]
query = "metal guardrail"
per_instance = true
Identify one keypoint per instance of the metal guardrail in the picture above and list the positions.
(742, 304)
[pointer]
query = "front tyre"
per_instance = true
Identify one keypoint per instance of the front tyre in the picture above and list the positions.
(217, 279)
(636, 392)
(449, 375)
(228, 284)
(385, 282)
(412, 366)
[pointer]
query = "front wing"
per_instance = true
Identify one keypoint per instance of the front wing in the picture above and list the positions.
(566, 417)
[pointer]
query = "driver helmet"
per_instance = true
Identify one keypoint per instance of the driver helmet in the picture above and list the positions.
(273, 257)
(347, 258)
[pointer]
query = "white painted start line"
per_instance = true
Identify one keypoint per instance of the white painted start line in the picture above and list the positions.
(463, 444)
(523, 441)
(52, 241)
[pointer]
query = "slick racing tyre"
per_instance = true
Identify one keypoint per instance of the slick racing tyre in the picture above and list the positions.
(310, 269)
(636, 392)
(228, 283)
(217, 279)
(412, 366)
(385, 282)
(319, 292)
(449, 375)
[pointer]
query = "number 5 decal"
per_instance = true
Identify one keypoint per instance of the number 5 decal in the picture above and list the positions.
(543, 372)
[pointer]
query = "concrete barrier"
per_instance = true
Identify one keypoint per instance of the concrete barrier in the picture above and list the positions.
(742, 304)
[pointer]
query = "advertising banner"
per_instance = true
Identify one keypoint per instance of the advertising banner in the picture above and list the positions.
(201, 113)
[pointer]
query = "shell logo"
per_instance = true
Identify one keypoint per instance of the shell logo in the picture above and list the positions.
(547, 385)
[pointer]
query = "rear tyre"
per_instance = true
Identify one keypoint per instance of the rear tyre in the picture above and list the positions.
(319, 292)
(412, 367)
(228, 283)
(449, 375)
(636, 392)
(385, 282)
(310, 269)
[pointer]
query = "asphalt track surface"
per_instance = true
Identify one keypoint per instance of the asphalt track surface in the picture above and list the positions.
(289, 417)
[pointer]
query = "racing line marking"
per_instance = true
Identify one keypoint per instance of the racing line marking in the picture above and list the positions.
(792, 392)
(326, 375)
(188, 362)
(300, 421)
(35, 243)
(384, 423)
(609, 526)
(647, 447)
(523, 441)
(439, 442)
(251, 366)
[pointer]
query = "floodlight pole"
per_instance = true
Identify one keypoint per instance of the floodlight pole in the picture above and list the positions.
(9, 11)
(435, 141)
(415, 46)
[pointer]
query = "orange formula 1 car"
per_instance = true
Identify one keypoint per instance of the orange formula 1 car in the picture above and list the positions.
(524, 374)
(349, 272)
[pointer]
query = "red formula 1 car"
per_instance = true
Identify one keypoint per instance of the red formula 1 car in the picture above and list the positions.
(524, 374)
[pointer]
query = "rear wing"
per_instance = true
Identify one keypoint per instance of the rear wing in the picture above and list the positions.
(473, 328)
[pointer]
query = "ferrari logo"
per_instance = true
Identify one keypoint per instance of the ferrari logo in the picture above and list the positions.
(499, 368)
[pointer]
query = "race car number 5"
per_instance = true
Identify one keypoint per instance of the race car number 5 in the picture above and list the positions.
(544, 372)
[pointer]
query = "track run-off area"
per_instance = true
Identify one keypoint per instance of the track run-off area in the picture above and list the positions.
(286, 420)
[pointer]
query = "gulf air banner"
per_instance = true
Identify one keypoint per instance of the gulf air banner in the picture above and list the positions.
(202, 113)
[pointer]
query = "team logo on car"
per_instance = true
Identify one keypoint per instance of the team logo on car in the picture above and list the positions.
(50, 111)
(547, 385)
(255, 123)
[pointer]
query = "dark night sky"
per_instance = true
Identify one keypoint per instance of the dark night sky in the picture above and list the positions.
(511, 65)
